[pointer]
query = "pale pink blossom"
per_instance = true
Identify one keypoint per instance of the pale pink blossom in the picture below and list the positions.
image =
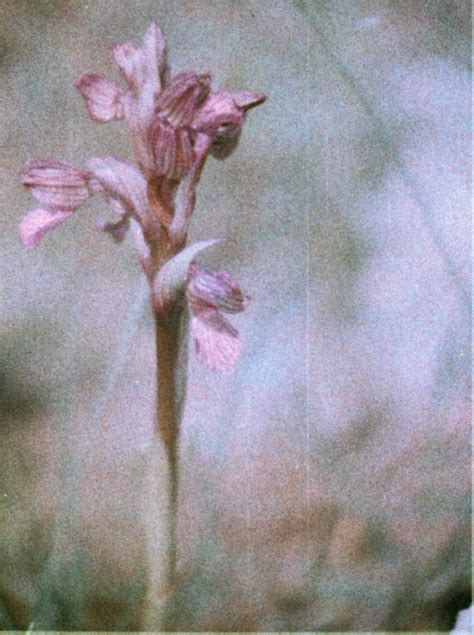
(216, 341)
(175, 123)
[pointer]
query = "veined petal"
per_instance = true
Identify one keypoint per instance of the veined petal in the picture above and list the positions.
(182, 97)
(216, 341)
(214, 289)
(39, 222)
(123, 181)
(171, 149)
(56, 184)
(103, 98)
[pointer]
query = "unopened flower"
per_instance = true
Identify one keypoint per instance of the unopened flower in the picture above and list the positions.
(216, 341)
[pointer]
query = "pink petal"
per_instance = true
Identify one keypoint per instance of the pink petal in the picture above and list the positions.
(216, 342)
(38, 223)
(171, 150)
(222, 116)
(218, 290)
(103, 98)
(142, 68)
(182, 97)
(123, 181)
(219, 110)
(56, 184)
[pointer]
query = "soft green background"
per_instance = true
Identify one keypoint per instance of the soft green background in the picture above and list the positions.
(325, 481)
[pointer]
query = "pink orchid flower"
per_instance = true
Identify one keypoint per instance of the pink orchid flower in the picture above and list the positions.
(175, 124)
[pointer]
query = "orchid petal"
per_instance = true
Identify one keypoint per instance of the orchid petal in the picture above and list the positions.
(142, 67)
(186, 192)
(171, 149)
(123, 181)
(39, 222)
(56, 184)
(214, 289)
(216, 341)
(219, 110)
(103, 98)
(182, 97)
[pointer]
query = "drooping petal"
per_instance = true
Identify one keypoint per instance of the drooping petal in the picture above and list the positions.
(216, 341)
(215, 289)
(182, 97)
(103, 99)
(39, 222)
(142, 67)
(124, 182)
(56, 184)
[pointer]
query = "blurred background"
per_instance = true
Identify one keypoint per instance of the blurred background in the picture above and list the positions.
(326, 480)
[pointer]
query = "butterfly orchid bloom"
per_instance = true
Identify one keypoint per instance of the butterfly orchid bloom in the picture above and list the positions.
(175, 123)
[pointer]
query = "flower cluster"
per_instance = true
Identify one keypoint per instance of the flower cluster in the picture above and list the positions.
(175, 123)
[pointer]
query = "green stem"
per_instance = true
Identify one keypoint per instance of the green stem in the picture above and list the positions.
(162, 504)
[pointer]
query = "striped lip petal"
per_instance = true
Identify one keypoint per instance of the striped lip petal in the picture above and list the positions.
(56, 184)
(39, 222)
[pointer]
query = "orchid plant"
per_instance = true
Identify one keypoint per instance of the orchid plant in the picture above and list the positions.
(175, 124)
